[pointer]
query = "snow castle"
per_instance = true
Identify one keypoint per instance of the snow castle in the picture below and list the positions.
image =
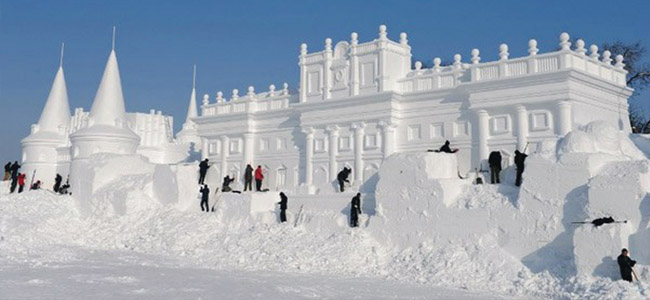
(357, 104)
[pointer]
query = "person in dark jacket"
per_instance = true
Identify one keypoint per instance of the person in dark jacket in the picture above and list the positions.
(495, 166)
(625, 263)
(203, 169)
(248, 178)
(520, 159)
(205, 196)
(225, 186)
(14, 176)
(259, 176)
(7, 171)
(283, 207)
(57, 183)
(342, 177)
(446, 148)
(355, 210)
(21, 182)
(36, 185)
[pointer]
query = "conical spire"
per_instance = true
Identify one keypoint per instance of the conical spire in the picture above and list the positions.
(191, 110)
(109, 101)
(57, 109)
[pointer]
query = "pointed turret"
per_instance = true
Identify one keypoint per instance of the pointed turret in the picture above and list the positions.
(188, 134)
(108, 106)
(191, 110)
(56, 112)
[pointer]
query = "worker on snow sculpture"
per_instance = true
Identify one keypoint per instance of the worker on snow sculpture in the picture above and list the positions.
(57, 183)
(36, 185)
(14, 175)
(495, 166)
(446, 148)
(520, 159)
(355, 210)
(258, 178)
(203, 169)
(248, 178)
(625, 263)
(21, 182)
(205, 195)
(7, 171)
(225, 186)
(283, 207)
(342, 177)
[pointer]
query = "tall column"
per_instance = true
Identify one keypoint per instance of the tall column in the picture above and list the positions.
(358, 150)
(204, 148)
(382, 74)
(249, 149)
(303, 73)
(522, 127)
(327, 73)
(224, 155)
(566, 117)
(388, 137)
(483, 134)
(333, 132)
(354, 65)
(309, 153)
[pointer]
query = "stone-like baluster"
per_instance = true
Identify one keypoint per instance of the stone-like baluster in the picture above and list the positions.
(532, 52)
(593, 52)
(619, 62)
(403, 39)
(271, 90)
(607, 59)
(580, 47)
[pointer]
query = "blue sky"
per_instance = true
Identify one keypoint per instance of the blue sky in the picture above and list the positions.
(240, 43)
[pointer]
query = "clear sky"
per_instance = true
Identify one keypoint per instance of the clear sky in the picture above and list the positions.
(240, 43)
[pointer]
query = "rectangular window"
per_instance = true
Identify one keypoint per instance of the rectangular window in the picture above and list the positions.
(264, 145)
(344, 143)
(437, 131)
(414, 132)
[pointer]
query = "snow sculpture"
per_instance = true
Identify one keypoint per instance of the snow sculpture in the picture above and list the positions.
(188, 135)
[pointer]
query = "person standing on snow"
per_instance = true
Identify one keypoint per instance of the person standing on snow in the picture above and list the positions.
(21, 182)
(259, 176)
(495, 166)
(203, 169)
(7, 171)
(520, 159)
(205, 196)
(248, 178)
(355, 210)
(283, 207)
(57, 182)
(342, 178)
(14, 175)
(625, 263)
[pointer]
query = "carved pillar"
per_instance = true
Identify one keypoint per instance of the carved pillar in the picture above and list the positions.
(388, 137)
(358, 150)
(303, 73)
(327, 72)
(522, 127)
(224, 155)
(483, 134)
(309, 153)
(354, 65)
(249, 149)
(566, 117)
(333, 132)
(204, 148)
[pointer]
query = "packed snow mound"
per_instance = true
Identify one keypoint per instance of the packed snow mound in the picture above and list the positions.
(600, 137)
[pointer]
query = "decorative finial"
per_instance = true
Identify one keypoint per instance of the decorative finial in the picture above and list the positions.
(619, 62)
(403, 38)
(607, 57)
(235, 95)
(354, 38)
(580, 47)
(285, 89)
(382, 32)
(271, 90)
(219, 97)
(564, 41)
(328, 44)
(61, 56)
(475, 56)
(194, 78)
(593, 52)
(303, 49)
(251, 92)
(418, 65)
(532, 47)
(457, 63)
(503, 52)
(113, 43)
(206, 99)
(436, 64)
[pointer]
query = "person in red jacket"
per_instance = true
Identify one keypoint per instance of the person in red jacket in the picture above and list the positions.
(21, 182)
(258, 178)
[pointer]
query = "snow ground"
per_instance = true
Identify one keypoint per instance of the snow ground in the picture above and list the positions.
(89, 274)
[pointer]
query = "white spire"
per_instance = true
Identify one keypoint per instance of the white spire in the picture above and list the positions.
(57, 109)
(108, 106)
(191, 110)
